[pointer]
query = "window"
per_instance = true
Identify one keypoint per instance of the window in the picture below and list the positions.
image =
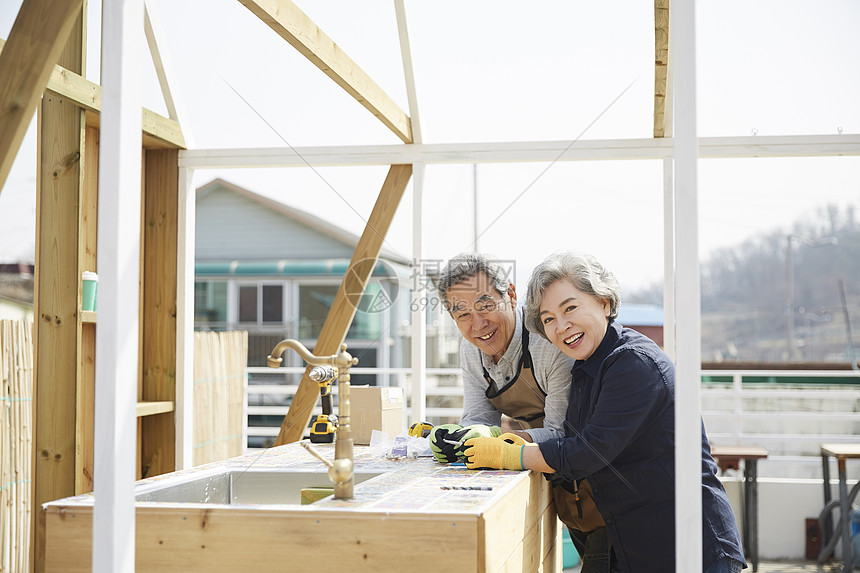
(248, 303)
(210, 302)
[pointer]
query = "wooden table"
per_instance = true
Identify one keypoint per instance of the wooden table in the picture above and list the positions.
(729, 457)
(841, 452)
(415, 514)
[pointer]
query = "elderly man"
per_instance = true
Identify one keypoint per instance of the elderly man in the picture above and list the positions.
(506, 370)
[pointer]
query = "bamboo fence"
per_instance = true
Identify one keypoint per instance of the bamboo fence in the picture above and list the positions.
(220, 359)
(16, 438)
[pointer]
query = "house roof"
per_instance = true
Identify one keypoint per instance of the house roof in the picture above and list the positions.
(298, 216)
(632, 314)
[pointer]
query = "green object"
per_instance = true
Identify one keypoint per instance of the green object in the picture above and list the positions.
(88, 291)
(442, 451)
(314, 494)
(473, 431)
(570, 556)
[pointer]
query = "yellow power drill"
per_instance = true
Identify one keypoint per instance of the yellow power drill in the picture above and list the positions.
(420, 429)
(324, 426)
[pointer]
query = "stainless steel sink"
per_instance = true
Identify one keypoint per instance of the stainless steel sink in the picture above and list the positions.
(238, 486)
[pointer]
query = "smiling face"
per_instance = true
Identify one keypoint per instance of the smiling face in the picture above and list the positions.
(485, 318)
(574, 321)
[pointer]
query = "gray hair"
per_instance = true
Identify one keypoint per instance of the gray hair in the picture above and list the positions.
(583, 271)
(463, 267)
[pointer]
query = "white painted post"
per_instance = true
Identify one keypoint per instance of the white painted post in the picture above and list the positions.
(119, 273)
(688, 488)
(669, 256)
(185, 320)
(419, 309)
(418, 329)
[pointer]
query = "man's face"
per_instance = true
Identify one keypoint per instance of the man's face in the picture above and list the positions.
(485, 318)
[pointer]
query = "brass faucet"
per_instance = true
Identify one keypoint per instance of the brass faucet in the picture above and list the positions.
(341, 472)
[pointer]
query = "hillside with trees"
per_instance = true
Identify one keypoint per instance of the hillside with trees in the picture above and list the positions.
(752, 291)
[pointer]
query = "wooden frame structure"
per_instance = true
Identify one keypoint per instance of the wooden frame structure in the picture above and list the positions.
(44, 52)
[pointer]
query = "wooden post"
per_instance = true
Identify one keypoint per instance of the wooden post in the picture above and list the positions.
(35, 43)
(87, 383)
(160, 221)
(351, 288)
(58, 290)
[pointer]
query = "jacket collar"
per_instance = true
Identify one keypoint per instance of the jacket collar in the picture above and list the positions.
(591, 365)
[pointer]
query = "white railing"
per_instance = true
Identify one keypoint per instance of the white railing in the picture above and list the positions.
(788, 419)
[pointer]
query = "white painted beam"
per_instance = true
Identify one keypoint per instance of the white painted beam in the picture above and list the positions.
(119, 273)
(540, 151)
(186, 218)
(688, 359)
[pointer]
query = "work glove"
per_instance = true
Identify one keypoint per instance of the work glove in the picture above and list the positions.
(493, 453)
(443, 451)
(513, 439)
(469, 432)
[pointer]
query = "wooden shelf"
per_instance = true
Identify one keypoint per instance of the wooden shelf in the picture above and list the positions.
(89, 316)
(152, 408)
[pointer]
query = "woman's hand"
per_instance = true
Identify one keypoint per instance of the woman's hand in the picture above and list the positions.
(493, 453)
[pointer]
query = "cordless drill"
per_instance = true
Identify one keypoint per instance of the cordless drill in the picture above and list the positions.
(323, 428)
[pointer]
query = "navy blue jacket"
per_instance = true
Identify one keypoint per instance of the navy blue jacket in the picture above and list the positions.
(620, 432)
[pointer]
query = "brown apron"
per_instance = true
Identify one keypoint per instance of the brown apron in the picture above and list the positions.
(524, 400)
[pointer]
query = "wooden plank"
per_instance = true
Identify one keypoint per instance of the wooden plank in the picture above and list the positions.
(351, 288)
(238, 540)
(661, 64)
(152, 408)
(58, 289)
(86, 408)
(299, 30)
(512, 527)
(159, 132)
(35, 42)
(158, 287)
(84, 461)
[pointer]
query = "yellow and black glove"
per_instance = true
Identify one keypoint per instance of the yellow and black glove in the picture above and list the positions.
(443, 451)
(494, 453)
(448, 441)
(513, 439)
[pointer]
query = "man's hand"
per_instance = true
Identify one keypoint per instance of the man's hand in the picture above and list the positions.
(444, 452)
(493, 453)
(469, 432)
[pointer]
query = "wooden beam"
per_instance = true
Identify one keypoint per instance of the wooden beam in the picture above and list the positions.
(345, 301)
(160, 222)
(159, 132)
(661, 64)
(35, 42)
(61, 127)
(87, 385)
(299, 30)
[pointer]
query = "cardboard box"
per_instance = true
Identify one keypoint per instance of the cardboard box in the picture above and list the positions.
(375, 408)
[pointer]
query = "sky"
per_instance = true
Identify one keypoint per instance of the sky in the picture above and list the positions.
(495, 72)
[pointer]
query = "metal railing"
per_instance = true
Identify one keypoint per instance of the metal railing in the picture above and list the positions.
(789, 419)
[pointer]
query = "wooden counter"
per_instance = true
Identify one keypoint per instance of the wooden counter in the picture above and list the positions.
(400, 520)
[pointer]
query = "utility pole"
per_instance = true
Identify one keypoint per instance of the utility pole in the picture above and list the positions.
(789, 285)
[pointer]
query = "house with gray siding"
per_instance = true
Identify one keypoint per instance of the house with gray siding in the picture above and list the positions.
(273, 270)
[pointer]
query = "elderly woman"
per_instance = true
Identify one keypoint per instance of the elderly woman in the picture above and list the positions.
(620, 425)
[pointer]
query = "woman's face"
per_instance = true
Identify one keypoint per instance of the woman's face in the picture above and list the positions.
(574, 321)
